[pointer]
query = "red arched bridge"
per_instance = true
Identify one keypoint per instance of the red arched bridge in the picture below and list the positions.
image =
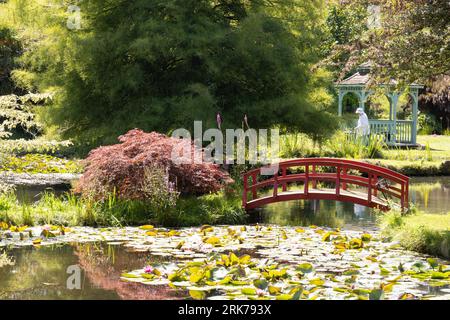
(328, 179)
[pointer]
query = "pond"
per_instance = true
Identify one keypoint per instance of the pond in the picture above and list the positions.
(276, 259)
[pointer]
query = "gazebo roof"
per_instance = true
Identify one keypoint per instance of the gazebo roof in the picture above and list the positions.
(362, 76)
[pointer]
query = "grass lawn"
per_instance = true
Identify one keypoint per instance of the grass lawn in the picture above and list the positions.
(427, 233)
(439, 150)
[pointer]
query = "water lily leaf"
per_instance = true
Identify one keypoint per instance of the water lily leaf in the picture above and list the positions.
(156, 272)
(296, 293)
(284, 297)
(350, 272)
(432, 262)
(407, 296)
(197, 294)
(356, 243)
(148, 276)
(361, 292)
(47, 234)
(37, 241)
(317, 282)
(439, 275)
(234, 259)
(376, 294)
(249, 291)
(326, 237)
(196, 277)
(245, 259)
(151, 233)
(418, 266)
(388, 287)
(239, 283)
(261, 284)
(384, 271)
(225, 280)
(4, 225)
(213, 240)
(305, 267)
(180, 245)
(300, 230)
(366, 237)
(341, 289)
(129, 275)
(146, 227)
(274, 290)
(340, 245)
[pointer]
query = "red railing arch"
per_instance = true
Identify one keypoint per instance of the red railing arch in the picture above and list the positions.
(376, 180)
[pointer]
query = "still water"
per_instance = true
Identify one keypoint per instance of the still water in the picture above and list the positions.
(430, 194)
(41, 273)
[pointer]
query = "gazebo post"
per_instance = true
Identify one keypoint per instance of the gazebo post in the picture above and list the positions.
(361, 97)
(394, 98)
(415, 110)
(341, 97)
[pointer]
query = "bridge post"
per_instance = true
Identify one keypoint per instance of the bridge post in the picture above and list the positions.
(344, 174)
(375, 181)
(283, 169)
(369, 198)
(402, 198)
(314, 182)
(254, 195)
(306, 179)
(275, 185)
(338, 181)
(244, 195)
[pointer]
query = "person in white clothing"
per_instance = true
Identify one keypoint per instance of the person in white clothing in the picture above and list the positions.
(363, 128)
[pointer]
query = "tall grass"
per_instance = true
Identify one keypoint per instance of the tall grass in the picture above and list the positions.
(342, 145)
(69, 210)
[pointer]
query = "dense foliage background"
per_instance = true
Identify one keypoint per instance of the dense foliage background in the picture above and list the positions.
(161, 64)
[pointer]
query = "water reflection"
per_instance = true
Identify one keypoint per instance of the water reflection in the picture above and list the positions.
(430, 194)
(41, 273)
(316, 212)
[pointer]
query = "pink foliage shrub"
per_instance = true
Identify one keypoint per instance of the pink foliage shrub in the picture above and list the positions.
(121, 167)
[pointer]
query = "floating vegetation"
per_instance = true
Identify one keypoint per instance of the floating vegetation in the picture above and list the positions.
(260, 262)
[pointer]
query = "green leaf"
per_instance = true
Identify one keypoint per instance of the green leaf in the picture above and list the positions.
(129, 275)
(274, 290)
(249, 291)
(197, 294)
(439, 275)
(432, 262)
(305, 267)
(261, 284)
(376, 294)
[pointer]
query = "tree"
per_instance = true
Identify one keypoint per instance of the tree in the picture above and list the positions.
(161, 64)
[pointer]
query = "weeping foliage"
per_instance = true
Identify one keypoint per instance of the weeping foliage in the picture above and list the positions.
(161, 64)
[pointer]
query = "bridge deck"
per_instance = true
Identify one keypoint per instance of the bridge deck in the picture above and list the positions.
(345, 195)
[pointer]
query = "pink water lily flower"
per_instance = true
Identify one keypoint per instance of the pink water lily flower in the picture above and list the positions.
(148, 269)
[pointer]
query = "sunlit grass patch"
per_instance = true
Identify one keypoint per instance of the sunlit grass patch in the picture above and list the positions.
(427, 233)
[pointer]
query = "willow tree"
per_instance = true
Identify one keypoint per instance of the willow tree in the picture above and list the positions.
(161, 64)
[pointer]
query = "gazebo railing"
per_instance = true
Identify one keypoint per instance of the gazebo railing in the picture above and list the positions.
(399, 131)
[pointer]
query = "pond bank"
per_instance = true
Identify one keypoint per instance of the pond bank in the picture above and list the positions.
(414, 168)
(38, 179)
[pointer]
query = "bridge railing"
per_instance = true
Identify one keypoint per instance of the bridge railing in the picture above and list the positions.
(340, 171)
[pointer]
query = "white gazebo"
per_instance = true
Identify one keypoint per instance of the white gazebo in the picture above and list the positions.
(395, 132)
